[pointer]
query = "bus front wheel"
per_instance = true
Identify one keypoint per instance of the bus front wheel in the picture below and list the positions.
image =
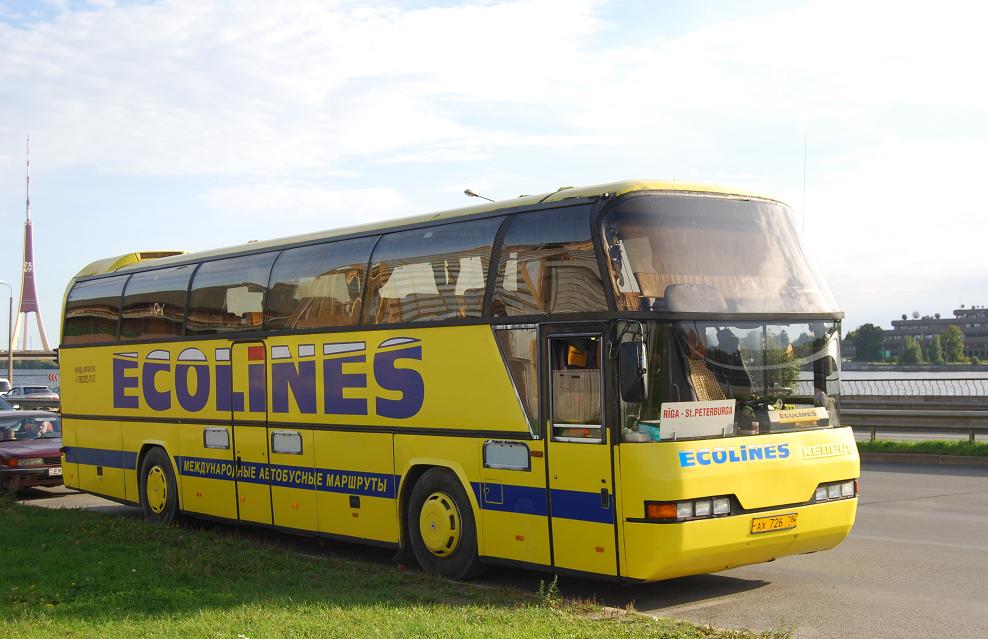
(158, 491)
(441, 526)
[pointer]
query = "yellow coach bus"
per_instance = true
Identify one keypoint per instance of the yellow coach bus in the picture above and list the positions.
(638, 381)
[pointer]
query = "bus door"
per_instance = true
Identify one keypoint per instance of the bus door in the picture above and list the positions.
(579, 464)
(248, 407)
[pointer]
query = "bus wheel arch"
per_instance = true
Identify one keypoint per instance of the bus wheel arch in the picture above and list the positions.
(157, 485)
(440, 525)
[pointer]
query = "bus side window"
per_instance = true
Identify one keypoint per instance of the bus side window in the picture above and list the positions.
(227, 293)
(429, 274)
(92, 311)
(576, 401)
(318, 286)
(548, 265)
(154, 303)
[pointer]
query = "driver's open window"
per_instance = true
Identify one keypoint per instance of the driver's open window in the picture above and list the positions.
(575, 380)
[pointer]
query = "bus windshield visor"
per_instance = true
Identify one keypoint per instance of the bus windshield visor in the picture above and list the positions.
(709, 254)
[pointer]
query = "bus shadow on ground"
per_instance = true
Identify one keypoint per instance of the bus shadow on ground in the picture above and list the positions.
(651, 596)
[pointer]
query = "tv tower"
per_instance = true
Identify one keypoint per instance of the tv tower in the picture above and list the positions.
(29, 294)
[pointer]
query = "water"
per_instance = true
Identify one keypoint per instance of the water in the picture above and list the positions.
(32, 377)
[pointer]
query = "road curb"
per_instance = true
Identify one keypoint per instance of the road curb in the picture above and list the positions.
(917, 458)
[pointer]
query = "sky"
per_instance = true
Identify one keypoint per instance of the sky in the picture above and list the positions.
(200, 124)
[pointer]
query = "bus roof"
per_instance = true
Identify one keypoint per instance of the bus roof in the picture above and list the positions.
(134, 260)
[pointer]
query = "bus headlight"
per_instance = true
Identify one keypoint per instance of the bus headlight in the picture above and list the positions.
(688, 510)
(702, 508)
(847, 489)
(836, 490)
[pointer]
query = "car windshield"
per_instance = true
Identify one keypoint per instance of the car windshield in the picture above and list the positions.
(31, 427)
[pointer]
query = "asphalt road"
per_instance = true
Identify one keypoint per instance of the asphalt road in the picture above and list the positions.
(915, 565)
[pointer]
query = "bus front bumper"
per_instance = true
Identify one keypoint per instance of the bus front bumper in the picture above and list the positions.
(656, 551)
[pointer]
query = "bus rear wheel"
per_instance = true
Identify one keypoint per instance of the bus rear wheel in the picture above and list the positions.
(441, 526)
(157, 487)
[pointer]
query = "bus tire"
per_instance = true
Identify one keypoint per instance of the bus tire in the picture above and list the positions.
(441, 527)
(157, 488)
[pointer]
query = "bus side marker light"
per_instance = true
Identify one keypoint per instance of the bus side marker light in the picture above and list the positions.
(519, 537)
(294, 505)
(600, 549)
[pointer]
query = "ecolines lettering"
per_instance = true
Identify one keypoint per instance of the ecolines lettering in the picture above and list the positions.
(744, 453)
(153, 382)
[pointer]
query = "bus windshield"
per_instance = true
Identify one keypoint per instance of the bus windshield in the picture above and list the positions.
(758, 377)
(710, 254)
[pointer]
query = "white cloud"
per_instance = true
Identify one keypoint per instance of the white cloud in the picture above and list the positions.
(301, 208)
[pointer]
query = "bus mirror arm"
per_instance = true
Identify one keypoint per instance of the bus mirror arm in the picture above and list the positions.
(631, 371)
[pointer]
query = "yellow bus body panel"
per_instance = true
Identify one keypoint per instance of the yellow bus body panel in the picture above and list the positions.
(654, 472)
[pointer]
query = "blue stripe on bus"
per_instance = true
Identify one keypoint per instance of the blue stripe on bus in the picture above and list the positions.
(526, 500)
(333, 480)
(530, 500)
(101, 457)
(582, 506)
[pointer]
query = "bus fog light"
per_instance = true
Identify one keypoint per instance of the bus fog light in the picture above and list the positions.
(821, 493)
(847, 489)
(833, 491)
(684, 509)
(703, 508)
(722, 506)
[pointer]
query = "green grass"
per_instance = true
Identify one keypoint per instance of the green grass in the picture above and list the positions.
(938, 447)
(71, 573)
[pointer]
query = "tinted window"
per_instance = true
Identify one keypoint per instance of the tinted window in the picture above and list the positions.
(92, 310)
(434, 273)
(228, 295)
(710, 254)
(317, 286)
(154, 303)
(548, 265)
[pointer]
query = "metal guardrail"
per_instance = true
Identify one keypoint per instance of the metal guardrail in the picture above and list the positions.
(938, 405)
(916, 387)
(905, 417)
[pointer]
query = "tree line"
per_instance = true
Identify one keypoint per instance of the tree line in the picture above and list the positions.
(945, 348)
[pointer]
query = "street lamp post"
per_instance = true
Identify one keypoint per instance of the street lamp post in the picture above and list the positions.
(10, 333)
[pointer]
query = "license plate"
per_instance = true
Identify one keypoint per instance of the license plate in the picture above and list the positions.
(54, 470)
(775, 522)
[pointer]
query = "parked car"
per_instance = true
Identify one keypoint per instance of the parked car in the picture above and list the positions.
(31, 392)
(4, 385)
(30, 449)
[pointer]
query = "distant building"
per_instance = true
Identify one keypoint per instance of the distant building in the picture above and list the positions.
(973, 322)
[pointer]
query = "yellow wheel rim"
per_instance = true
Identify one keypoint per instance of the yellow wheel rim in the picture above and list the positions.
(157, 489)
(439, 524)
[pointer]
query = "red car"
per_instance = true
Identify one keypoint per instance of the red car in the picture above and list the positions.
(29, 449)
